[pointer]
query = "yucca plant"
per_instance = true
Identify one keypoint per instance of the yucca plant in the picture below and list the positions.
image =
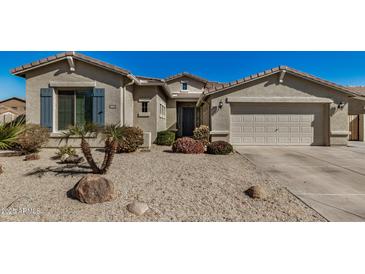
(112, 135)
(84, 131)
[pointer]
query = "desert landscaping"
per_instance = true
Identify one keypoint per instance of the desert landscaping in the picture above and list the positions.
(176, 187)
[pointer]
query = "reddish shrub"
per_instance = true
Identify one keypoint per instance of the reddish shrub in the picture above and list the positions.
(188, 145)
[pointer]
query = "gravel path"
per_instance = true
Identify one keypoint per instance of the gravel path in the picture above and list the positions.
(177, 187)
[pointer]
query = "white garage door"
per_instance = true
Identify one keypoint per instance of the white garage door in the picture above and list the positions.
(276, 124)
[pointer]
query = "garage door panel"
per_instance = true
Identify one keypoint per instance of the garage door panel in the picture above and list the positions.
(236, 119)
(277, 124)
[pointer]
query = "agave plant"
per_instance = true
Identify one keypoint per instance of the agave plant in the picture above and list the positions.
(9, 133)
(112, 135)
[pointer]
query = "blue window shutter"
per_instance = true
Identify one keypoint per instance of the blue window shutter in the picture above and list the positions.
(99, 106)
(47, 107)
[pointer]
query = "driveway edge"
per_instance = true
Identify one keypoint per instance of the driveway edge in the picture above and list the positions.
(285, 187)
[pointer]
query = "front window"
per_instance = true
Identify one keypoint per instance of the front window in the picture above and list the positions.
(144, 106)
(184, 86)
(74, 108)
(162, 111)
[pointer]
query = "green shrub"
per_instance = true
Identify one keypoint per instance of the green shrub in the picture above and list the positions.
(32, 138)
(219, 148)
(187, 145)
(165, 138)
(202, 134)
(69, 150)
(132, 138)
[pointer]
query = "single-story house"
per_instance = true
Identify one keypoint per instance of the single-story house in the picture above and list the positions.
(11, 108)
(280, 106)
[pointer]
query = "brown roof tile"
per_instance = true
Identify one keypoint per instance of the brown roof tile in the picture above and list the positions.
(289, 70)
(360, 90)
(182, 74)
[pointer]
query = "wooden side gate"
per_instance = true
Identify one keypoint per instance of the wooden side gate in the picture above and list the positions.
(354, 122)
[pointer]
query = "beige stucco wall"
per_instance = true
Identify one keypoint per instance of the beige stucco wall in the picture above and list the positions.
(171, 114)
(129, 106)
(194, 86)
(60, 72)
(152, 123)
(356, 106)
(160, 99)
(291, 87)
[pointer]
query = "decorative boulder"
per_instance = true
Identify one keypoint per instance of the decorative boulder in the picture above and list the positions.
(137, 208)
(256, 192)
(93, 189)
(31, 157)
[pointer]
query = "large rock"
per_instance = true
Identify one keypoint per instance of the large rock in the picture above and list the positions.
(93, 189)
(256, 192)
(138, 208)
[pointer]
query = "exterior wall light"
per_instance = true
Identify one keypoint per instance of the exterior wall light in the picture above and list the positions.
(220, 105)
(341, 105)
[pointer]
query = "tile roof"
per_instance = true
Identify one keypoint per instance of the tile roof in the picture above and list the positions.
(150, 80)
(12, 98)
(220, 87)
(61, 56)
(360, 90)
(186, 74)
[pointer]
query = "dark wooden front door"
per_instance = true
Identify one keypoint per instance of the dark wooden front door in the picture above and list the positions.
(188, 119)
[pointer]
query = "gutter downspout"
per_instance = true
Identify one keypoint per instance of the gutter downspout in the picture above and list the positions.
(123, 95)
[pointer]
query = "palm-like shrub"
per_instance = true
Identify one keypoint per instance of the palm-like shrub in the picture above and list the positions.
(112, 135)
(188, 146)
(219, 148)
(165, 138)
(202, 134)
(132, 138)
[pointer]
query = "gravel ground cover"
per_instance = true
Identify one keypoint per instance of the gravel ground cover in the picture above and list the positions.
(177, 187)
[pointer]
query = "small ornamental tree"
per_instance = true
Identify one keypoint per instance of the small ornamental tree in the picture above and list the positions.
(112, 135)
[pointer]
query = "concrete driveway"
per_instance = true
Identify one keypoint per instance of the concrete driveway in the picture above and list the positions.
(329, 179)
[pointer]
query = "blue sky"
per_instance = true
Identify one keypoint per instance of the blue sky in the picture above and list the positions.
(346, 68)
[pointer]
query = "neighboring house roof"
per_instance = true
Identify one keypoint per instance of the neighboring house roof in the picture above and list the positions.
(12, 98)
(285, 69)
(5, 109)
(186, 74)
(20, 71)
(360, 90)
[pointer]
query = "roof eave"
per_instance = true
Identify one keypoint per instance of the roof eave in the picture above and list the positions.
(288, 70)
(21, 71)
